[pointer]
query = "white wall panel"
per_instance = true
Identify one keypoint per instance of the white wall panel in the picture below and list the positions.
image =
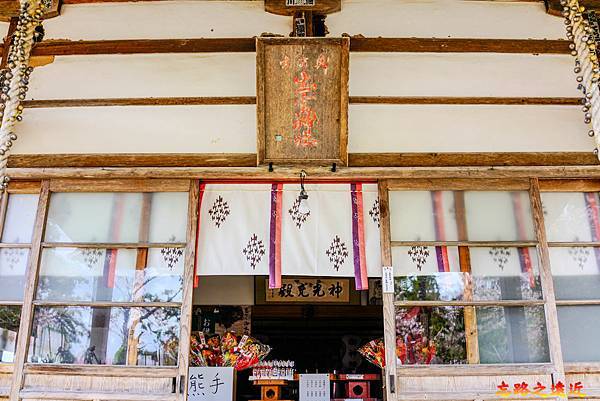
(164, 20)
(448, 128)
(461, 74)
(371, 74)
(172, 129)
(145, 75)
(373, 128)
(446, 18)
(409, 18)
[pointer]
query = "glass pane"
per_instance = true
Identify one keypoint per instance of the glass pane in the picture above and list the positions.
(422, 216)
(86, 274)
(10, 317)
(20, 218)
(571, 216)
(579, 333)
(431, 273)
(498, 216)
(430, 335)
(512, 335)
(117, 217)
(111, 336)
(501, 273)
(13, 264)
(488, 216)
(576, 272)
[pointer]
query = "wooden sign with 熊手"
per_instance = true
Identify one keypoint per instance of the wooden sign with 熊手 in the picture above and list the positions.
(302, 100)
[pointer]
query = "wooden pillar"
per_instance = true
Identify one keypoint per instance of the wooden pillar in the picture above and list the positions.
(31, 279)
(389, 311)
(188, 288)
(558, 371)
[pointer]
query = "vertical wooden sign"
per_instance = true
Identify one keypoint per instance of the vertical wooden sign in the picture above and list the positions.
(302, 100)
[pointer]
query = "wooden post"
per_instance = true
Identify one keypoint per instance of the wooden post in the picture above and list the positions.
(558, 373)
(389, 311)
(188, 288)
(470, 313)
(31, 278)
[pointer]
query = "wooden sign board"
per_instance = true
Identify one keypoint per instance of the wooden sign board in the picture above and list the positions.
(302, 100)
(289, 7)
(310, 290)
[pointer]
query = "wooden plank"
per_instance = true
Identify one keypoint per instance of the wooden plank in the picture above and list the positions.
(9, 245)
(578, 302)
(92, 395)
(101, 304)
(355, 160)
(569, 185)
(547, 284)
(459, 45)
(389, 310)
(225, 100)
(143, 46)
(475, 370)
(505, 303)
(582, 367)
(24, 187)
(185, 328)
(131, 160)
(471, 159)
(143, 101)
(315, 173)
(357, 44)
(523, 101)
(6, 368)
(472, 244)
(116, 185)
(31, 280)
(97, 370)
(320, 7)
(461, 184)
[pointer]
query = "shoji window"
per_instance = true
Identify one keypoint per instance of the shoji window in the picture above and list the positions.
(110, 279)
(572, 220)
(467, 274)
(17, 218)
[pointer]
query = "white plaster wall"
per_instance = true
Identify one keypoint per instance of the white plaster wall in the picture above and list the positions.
(165, 20)
(178, 129)
(446, 18)
(371, 74)
(478, 128)
(409, 18)
(373, 128)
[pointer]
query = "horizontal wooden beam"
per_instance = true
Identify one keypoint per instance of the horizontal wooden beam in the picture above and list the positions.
(225, 100)
(357, 44)
(98, 370)
(471, 159)
(355, 159)
(317, 173)
(475, 370)
(94, 395)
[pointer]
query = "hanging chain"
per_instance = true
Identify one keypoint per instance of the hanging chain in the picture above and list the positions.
(580, 30)
(14, 79)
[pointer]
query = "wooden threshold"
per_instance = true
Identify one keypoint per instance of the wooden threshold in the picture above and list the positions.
(357, 44)
(355, 159)
(241, 100)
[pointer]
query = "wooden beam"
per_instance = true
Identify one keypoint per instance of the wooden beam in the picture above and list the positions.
(181, 101)
(459, 45)
(355, 159)
(104, 370)
(357, 44)
(471, 159)
(317, 173)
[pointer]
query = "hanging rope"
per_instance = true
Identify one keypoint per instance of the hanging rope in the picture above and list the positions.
(587, 68)
(14, 80)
